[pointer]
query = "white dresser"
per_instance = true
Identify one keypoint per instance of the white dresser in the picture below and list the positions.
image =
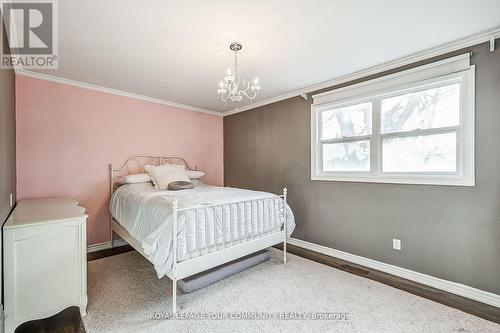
(45, 260)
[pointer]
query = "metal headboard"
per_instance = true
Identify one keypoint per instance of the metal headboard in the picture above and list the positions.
(135, 164)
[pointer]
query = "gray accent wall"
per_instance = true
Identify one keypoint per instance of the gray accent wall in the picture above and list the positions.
(7, 137)
(449, 232)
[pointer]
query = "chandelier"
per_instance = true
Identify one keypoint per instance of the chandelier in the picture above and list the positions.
(234, 87)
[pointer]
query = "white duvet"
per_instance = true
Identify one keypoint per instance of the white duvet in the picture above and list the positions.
(146, 214)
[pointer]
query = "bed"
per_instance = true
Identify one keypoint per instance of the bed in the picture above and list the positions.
(213, 225)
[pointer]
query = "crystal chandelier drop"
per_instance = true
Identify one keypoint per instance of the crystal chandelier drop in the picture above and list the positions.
(234, 87)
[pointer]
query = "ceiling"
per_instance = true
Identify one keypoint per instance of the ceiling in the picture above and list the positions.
(178, 51)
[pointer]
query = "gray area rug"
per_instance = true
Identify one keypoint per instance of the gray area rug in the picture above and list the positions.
(126, 296)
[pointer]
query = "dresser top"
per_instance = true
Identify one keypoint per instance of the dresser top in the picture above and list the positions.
(28, 212)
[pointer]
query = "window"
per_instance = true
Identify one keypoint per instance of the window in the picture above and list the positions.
(345, 137)
(413, 127)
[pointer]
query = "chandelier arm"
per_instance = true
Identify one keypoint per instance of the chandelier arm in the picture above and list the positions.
(244, 89)
(249, 96)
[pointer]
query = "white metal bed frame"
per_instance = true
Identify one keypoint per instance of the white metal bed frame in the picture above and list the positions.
(183, 269)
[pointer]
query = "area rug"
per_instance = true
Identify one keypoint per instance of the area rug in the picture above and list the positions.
(300, 296)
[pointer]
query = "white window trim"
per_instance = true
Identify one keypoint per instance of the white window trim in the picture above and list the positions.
(456, 69)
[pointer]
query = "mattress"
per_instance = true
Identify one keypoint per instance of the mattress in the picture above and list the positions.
(146, 214)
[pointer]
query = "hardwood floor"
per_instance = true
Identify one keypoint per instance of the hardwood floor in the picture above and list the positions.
(69, 320)
(109, 252)
(458, 302)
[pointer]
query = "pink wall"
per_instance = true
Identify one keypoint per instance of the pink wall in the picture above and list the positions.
(67, 137)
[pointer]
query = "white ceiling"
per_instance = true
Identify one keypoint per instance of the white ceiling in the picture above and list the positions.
(178, 50)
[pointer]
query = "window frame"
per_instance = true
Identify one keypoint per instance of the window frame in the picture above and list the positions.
(448, 71)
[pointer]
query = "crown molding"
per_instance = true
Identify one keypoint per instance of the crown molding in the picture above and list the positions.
(487, 36)
(456, 45)
(84, 85)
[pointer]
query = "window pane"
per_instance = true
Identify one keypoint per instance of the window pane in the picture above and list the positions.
(346, 156)
(353, 120)
(431, 108)
(424, 153)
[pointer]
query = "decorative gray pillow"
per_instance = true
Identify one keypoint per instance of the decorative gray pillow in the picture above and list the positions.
(180, 185)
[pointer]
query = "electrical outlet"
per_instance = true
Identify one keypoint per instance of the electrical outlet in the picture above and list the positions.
(11, 200)
(396, 244)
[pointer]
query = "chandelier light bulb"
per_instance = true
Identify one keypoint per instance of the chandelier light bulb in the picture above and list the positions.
(221, 90)
(255, 86)
(229, 77)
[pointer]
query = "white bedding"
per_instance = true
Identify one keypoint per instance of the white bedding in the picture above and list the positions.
(146, 213)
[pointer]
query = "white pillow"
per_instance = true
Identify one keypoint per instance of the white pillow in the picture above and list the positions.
(137, 178)
(162, 175)
(194, 174)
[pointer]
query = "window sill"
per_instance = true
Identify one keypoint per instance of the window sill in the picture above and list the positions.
(415, 180)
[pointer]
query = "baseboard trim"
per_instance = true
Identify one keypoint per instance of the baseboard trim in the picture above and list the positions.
(104, 246)
(451, 287)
